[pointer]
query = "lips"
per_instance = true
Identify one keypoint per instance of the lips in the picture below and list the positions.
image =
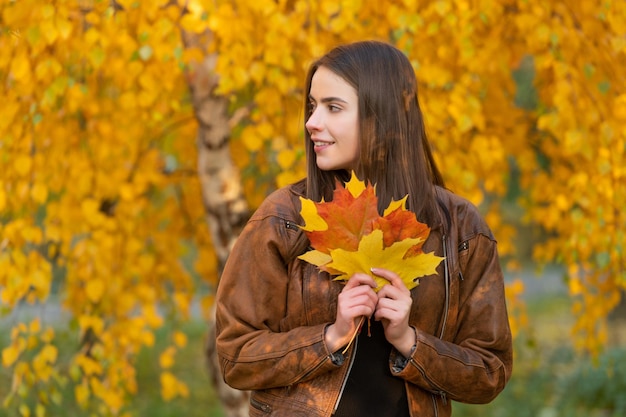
(320, 146)
(318, 143)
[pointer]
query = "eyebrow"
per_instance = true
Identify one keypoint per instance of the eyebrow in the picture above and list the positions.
(328, 99)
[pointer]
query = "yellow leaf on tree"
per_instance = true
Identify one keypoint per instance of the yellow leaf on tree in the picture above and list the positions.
(166, 358)
(180, 339)
(34, 326)
(182, 302)
(252, 141)
(22, 165)
(286, 158)
(86, 322)
(95, 290)
(152, 317)
(88, 365)
(3, 199)
(91, 211)
(47, 336)
(43, 361)
(113, 399)
(20, 67)
(24, 410)
(39, 193)
(171, 387)
(10, 355)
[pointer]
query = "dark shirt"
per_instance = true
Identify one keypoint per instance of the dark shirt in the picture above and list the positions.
(371, 390)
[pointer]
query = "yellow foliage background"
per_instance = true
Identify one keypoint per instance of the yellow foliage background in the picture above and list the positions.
(99, 198)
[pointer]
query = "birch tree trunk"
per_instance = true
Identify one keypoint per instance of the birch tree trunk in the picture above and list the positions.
(225, 206)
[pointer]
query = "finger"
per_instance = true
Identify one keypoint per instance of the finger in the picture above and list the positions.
(364, 293)
(360, 310)
(360, 279)
(361, 296)
(389, 291)
(389, 315)
(382, 314)
(390, 276)
(353, 300)
(394, 306)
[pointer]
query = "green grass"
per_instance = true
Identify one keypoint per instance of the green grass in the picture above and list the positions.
(190, 367)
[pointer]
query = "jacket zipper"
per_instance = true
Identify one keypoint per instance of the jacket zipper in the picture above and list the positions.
(435, 405)
(446, 277)
(345, 379)
(260, 406)
(463, 246)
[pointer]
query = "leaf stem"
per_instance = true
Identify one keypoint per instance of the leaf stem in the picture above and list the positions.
(358, 329)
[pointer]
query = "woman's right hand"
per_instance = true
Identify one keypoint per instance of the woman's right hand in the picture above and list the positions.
(357, 299)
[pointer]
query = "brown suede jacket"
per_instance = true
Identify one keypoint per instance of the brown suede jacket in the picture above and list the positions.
(272, 309)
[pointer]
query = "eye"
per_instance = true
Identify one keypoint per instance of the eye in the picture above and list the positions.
(333, 108)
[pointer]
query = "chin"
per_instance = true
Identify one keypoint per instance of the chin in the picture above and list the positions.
(330, 167)
(326, 165)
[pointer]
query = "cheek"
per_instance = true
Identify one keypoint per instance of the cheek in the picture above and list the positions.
(355, 148)
(356, 140)
(351, 130)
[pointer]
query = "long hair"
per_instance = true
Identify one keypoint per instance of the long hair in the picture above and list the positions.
(395, 154)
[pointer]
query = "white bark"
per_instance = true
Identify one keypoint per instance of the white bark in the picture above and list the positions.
(225, 206)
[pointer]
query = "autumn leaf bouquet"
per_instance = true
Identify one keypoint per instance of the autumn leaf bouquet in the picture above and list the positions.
(348, 236)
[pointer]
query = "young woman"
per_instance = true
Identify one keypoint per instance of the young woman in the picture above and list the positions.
(282, 325)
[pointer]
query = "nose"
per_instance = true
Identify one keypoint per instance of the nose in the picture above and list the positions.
(314, 123)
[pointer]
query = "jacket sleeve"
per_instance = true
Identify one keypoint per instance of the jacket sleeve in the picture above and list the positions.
(251, 301)
(475, 366)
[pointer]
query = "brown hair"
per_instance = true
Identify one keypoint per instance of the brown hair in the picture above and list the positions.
(394, 152)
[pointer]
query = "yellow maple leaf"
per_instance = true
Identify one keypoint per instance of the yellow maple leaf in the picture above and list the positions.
(313, 221)
(372, 254)
(316, 257)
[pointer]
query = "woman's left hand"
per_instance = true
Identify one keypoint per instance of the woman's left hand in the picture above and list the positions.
(393, 309)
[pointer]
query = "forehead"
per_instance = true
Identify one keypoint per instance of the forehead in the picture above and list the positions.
(327, 83)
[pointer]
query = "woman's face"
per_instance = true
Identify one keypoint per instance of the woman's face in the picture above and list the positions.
(333, 123)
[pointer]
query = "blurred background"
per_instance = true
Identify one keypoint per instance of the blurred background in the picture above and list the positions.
(136, 137)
